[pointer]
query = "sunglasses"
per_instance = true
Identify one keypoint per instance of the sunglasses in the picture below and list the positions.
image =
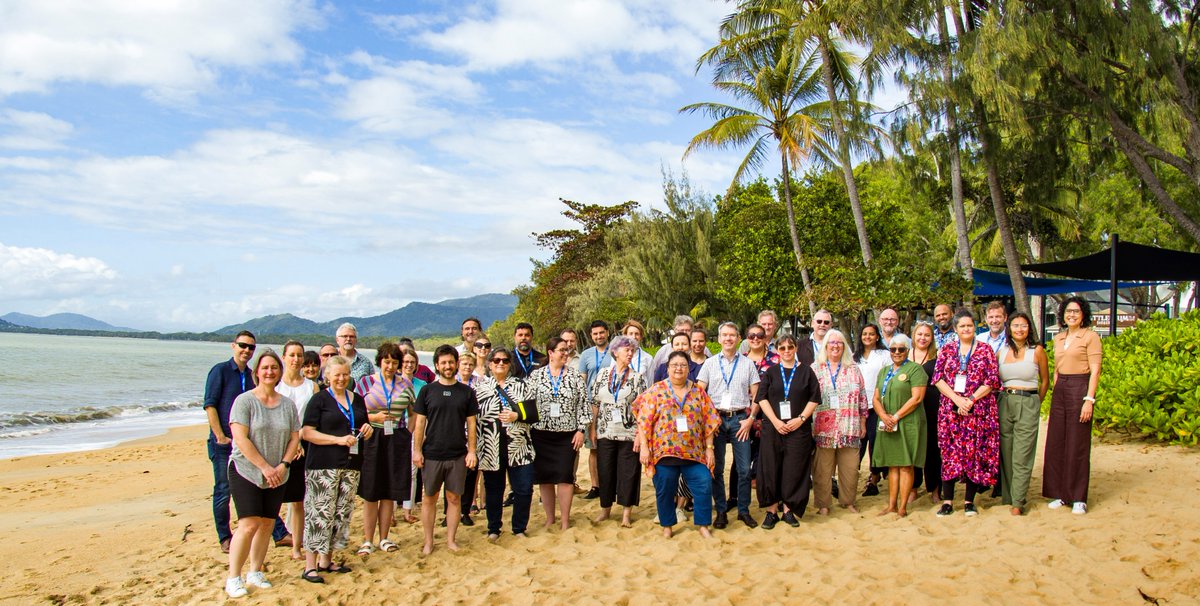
(483, 345)
(755, 335)
(249, 346)
(501, 361)
(822, 322)
(897, 349)
(785, 347)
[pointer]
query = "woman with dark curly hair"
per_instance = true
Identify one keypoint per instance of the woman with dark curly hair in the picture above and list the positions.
(1077, 356)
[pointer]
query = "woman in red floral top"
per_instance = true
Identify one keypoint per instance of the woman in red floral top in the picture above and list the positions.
(676, 423)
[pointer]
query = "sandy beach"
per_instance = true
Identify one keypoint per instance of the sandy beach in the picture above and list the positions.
(132, 524)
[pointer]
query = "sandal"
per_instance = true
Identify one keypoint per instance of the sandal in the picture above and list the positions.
(341, 568)
(366, 549)
(311, 576)
(388, 546)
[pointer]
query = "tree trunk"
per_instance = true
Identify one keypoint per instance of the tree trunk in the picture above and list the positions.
(791, 218)
(956, 186)
(839, 131)
(1012, 258)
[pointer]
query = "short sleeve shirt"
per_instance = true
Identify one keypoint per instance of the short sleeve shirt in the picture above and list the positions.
(446, 409)
(736, 377)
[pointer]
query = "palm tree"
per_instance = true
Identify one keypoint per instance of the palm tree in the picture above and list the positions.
(784, 108)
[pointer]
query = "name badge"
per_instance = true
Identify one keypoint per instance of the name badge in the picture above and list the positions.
(835, 401)
(354, 448)
(556, 410)
(960, 383)
(681, 424)
(389, 427)
(617, 417)
(727, 401)
(785, 410)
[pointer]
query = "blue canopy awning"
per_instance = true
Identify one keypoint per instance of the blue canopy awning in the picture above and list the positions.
(995, 284)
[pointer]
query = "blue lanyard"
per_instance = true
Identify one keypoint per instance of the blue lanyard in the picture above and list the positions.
(614, 386)
(503, 400)
(555, 383)
(387, 393)
(787, 381)
(721, 362)
(347, 412)
(638, 356)
(525, 367)
(598, 356)
(678, 401)
(886, 380)
(962, 360)
(833, 375)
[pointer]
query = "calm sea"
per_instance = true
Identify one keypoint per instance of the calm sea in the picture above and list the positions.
(62, 394)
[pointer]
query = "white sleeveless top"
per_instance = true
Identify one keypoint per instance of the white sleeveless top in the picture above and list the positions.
(1018, 375)
(299, 394)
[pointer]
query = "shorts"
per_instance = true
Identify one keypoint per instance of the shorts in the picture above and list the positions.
(452, 474)
(250, 501)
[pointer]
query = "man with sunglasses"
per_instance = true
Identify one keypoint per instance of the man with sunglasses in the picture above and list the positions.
(226, 381)
(806, 349)
(769, 320)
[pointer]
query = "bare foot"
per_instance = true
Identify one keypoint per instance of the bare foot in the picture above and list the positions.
(704, 532)
(427, 549)
(903, 512)
(852, 508)
(296, 555)
(1016, 511)
(603, 516)
(912, 496)
(887, 510)
(626, 523)
(452, 546)
(565, 525)
(627, 519)
(522, 535)
(667, 532)
(549, 524)
(824, 511)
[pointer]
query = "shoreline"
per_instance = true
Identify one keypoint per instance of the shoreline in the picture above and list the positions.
(133, 523)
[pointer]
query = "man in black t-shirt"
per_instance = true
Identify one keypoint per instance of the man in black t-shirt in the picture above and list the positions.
(528, 359)
(441, 448)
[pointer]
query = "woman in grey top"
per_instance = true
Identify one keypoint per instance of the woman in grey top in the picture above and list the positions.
(266, 438)
(615, 428)
(1026, 375)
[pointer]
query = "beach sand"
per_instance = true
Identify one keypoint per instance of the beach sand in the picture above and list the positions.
(111, 526)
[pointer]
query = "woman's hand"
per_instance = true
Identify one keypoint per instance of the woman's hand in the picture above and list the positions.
(644, 457)
(508, 416)
(1085, 413)
(273, 475)
(780, 427)
(348, 440)
(710, 458)
(577, 440)
(366, 430)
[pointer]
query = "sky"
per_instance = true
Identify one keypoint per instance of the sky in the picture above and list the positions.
(186, 164)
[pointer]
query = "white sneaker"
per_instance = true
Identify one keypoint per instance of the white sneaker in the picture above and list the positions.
(257, 579)
(1079, 508)
(235, 588)
(1055, 504)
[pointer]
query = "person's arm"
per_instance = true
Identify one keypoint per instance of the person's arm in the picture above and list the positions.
(471, 437)
(418, 440)
(1043, 364)
(213, 386)
(1094, 355)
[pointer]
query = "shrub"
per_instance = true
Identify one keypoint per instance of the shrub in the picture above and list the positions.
(1150, 380)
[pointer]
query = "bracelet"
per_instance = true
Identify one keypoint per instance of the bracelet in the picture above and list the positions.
(1089, 399)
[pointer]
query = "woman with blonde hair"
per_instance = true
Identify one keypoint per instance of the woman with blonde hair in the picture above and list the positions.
(840, 422)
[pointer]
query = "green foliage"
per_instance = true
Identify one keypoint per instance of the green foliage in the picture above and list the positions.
(1150, 380)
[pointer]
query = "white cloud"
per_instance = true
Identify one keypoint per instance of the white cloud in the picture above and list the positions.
(406, 99)
(171, 48)
(35, 273)
(33, 131)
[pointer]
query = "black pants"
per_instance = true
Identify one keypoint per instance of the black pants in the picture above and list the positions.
(868, 445)
(785, 468)
(972, 490)
(933, 454)
(619, 470)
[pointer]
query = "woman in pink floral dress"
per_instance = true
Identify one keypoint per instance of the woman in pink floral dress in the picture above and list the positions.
(839, 424)
(966, 374)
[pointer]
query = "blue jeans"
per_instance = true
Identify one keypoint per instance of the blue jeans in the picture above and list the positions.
(727, 434)
(521, 479)
(219, 455)
(666, 487)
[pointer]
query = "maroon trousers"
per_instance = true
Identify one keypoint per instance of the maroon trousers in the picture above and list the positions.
(1067, 465)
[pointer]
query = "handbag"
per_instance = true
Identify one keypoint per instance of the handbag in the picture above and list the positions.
(526, 409)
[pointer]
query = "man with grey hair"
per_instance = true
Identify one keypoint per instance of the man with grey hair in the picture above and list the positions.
(347, 341)
(769, 320)
(806, 350)
(683, 323)
(889, 325)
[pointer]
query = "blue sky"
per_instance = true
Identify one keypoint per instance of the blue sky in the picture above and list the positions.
(187, 165)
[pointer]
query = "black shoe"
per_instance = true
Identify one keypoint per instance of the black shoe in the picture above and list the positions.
(466, 520)
(509, 500)
(946, 510)
(789, 518)
(835, 489)
(872, 490)
(443, 524)
(592, 493)
(770, 520)
(689, 506)
(969, 510)
(748, 520)
(722, 521)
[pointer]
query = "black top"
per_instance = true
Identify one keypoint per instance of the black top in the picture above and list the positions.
(445, 408)
(805, 351)
(325, 415)
(804, 388)
(521, 366)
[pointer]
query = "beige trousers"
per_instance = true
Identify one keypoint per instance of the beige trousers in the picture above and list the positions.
(846, 461)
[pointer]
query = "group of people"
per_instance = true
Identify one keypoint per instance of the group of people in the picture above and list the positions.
(950, 404)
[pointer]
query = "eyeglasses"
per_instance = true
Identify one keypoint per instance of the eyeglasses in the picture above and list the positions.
(1072, 311)
(483, 345)
(755, 335)
(562, 350)
(347, 336)
(675, 366)
(897, 349)
(822, 322)
(501, 361)
(244, 345)
(785, 347)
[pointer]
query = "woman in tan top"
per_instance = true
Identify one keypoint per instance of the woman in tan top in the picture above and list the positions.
(1077, 355)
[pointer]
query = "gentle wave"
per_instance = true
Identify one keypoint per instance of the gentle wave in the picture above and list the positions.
(23, 424)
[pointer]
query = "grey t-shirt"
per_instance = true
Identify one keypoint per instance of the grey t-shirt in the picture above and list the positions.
(270, 431)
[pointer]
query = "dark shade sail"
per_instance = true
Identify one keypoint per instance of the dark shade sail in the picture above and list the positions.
(994, 284)
(1134, 262)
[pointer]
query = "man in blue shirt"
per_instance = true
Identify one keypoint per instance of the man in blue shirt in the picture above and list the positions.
(226, 381)
(590, 362)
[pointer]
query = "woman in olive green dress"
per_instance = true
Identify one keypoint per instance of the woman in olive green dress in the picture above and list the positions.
(900, 440)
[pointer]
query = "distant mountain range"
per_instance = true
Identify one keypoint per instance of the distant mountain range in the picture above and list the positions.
(62, 321)
(413, 320)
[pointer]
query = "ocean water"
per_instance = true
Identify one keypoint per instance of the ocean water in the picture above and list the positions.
(65, 394)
